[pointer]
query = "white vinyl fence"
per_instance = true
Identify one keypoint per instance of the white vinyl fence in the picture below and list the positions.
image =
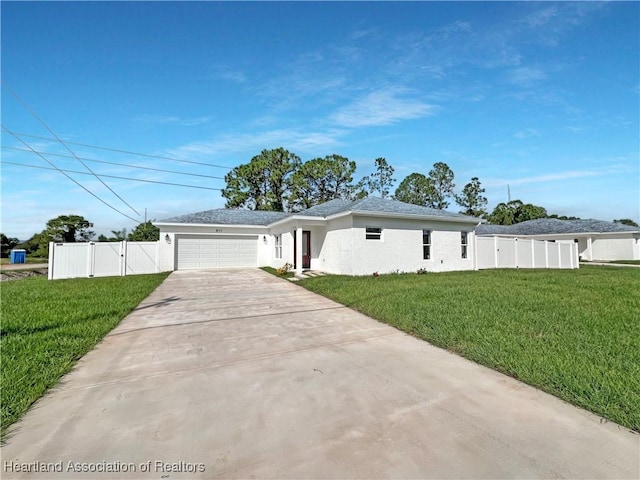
(102, 259)
(502, 252)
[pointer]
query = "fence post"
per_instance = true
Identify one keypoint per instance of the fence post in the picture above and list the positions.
(495, 251)
(157, 269)
(546, 254)
(559, 255)
(52, 246)
(90, 259)
(125, 250)
(533, 253)
(515, 252)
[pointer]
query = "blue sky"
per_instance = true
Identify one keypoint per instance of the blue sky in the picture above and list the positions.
(543, 97)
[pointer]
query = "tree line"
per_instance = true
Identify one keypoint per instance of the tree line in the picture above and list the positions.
(70, 229)
(278, 180)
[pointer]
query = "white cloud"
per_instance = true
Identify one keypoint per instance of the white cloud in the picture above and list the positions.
(527, 133)
(227, 73)
(172, 120)
(525, 76)
(253, 143)
(382, 107)
(613, 169)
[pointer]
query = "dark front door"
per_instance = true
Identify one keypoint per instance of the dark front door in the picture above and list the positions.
(306, 250)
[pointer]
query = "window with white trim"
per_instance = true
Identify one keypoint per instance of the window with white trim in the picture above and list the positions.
(464, 243)
(278, 246)
(373, 233)
(426, 244)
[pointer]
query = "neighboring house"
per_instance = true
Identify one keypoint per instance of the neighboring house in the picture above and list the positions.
(596, 239)
(340, 237)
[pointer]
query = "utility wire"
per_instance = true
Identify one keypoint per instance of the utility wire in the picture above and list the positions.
(115, 163)
(30, 110)
(68, 176)
(117, 150)
(109, 176)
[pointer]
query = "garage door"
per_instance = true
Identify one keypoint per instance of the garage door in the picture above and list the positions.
(218, 251)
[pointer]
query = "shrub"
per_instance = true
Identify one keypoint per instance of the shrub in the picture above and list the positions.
(284, 269)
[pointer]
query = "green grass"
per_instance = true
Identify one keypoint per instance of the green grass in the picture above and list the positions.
(48, 325)
(572, 333)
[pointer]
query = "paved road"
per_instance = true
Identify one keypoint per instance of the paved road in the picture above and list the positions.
(244, 375)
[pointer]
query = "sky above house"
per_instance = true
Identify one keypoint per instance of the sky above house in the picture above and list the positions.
(540, 99)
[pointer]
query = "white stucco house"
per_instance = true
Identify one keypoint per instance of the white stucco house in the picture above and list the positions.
(340, 237)
(596, 239)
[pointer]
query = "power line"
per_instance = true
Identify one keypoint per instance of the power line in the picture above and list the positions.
(116, 163)
(30, 110)
(68, 176)
(110, 176)
(129, 152)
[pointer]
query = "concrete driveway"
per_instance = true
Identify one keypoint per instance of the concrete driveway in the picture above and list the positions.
(239, 374)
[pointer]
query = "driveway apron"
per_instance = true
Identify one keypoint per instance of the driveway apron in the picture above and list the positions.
(239, 374)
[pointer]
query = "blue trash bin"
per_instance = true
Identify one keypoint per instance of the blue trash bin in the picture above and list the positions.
(18, 256)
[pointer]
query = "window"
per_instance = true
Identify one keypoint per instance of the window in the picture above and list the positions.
(278, 244)
(464, 242)
(373, 233)
(426, 244)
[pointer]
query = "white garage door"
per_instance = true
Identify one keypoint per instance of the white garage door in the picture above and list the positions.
(217, 251)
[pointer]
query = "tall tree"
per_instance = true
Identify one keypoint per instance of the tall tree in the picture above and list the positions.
(382, 179)
(262, 184)
(472, 200)
(416, 189)
(144, 232)
(69, 228)
(7, 245)
(37, 245)
(529, 211)
(515, 212)
(320, 180)
(441, 177)
(503, 214)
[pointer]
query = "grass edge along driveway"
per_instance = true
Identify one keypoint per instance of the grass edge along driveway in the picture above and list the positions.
(47, 326)
(573, 333)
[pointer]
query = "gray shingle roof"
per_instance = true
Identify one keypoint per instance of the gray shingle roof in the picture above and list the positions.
(550, 226)
(225, 216)
(378, 205)
(384, 205)
(332, 207)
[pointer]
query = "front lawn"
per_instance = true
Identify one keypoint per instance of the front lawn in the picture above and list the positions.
(48, 325)
(572, 333)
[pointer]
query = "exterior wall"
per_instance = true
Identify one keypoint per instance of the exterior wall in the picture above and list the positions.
(287, 247)
(168, 248)
(336, 250)
(400, 248)
(615, 248)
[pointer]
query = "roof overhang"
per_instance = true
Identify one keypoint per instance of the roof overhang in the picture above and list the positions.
(309, 220)
(212, 225)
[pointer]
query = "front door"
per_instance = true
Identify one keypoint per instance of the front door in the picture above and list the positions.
(306, 249)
